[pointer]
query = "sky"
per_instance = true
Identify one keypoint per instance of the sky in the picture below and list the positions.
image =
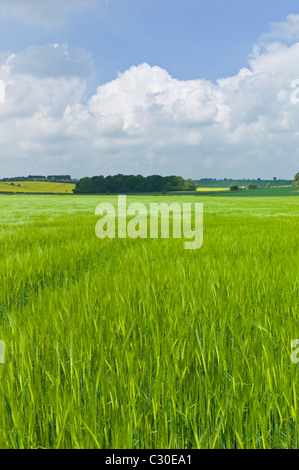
(196, 88)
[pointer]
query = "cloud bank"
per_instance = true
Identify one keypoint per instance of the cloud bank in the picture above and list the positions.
(146, 121)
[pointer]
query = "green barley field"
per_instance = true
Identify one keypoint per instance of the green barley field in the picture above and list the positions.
(141, 344)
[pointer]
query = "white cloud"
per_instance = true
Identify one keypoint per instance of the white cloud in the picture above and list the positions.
(284, 30)
(48, 13)
(276, 58)
(146, 121)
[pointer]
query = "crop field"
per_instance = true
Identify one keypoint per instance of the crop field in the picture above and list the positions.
(36, 187)
(214, 183)
(210, 189)
(272, 192)
(140, 343)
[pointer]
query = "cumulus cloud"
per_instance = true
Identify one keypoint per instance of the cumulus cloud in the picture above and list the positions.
(48, 13)
(145, 96)
(146, 121)
(276, 58)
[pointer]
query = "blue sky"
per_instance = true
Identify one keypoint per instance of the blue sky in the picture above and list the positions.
(148, 86)
(189, 38)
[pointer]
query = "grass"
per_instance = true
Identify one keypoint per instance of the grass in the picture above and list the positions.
(140, 343)
(36, 187)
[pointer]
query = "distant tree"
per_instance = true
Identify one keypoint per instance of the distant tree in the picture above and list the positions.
(154, 183)
(296, 180)
(58, 177)
(168, 186)
(268, 185)
(190, 185)
(83, 186)
(98, 184)
(234, 187)
(37, 177)
(129, 184)
(139, 183)
(180, 183)
(132, 184)
(274, 178)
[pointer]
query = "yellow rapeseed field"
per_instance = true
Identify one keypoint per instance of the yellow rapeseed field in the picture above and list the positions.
(211, 189)
(36, 187)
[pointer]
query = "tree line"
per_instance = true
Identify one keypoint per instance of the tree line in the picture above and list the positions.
(132, 184)
(54, 178)
(296, 180)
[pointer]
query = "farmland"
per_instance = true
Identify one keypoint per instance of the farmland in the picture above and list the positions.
(36, 187)
(210, 189)
(222, 183)
(274, 191)
(122, 343)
